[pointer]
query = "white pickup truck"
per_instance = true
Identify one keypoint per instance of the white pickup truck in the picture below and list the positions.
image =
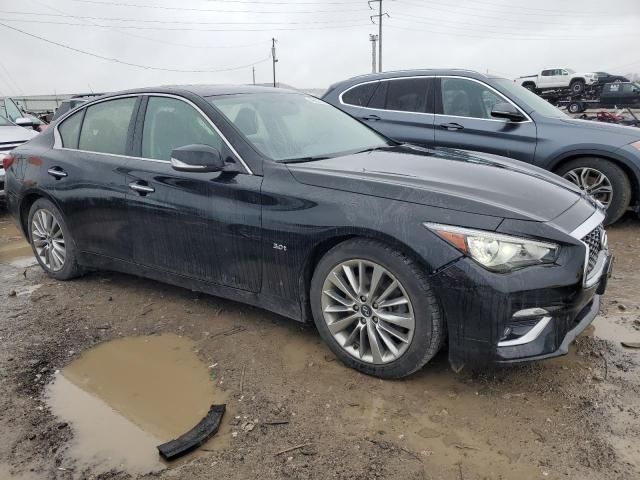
(555, 78)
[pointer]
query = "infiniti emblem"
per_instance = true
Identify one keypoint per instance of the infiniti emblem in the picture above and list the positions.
(366, 310)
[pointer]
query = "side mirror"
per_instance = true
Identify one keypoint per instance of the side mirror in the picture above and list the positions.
(24, 122)
(507, 111)
(197, 158)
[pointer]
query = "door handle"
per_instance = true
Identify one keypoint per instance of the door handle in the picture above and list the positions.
(452, 127)
(57, 173)
(371, 118)
(141, 188)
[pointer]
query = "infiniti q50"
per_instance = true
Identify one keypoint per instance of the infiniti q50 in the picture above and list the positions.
(277, 199)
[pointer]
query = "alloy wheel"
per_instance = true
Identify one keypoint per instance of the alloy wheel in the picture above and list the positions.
(48, 240)
(593, 182)
(368, 311)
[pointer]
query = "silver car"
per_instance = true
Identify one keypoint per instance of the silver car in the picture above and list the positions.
(11, 135)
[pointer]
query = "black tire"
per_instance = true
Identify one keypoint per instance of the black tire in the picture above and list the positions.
(429, 333)
(577, 87)
(70, 268)
(530, 86)
(621, 186)
(575, 107)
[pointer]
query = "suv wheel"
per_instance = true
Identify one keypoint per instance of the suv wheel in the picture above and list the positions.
(51, 241)
(603, 180)
(375, 309)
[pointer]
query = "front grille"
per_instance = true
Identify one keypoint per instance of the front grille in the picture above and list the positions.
(593, 240)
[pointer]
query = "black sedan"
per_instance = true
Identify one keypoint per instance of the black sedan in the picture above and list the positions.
(604, 77)
(279, 200)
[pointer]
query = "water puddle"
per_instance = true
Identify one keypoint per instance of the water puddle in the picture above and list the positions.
(616, 328)
(13, 246)
(125, 397)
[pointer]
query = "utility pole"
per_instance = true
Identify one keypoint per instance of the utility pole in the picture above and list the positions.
(253, 70)
(274, 58)
(373, 39)
(379, 15)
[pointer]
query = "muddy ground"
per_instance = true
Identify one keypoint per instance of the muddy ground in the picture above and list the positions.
(70, 410)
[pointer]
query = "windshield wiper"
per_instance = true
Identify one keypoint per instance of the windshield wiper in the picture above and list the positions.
(306, 159)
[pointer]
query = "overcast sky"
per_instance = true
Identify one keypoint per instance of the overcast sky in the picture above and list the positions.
(318, 42)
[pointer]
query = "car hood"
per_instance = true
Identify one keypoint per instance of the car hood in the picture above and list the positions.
(446, 178)
(611, 134)
(13, 133)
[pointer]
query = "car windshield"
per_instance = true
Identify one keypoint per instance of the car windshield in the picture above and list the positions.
(289, 127)
(529, 100)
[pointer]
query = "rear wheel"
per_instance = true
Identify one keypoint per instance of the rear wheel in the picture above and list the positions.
(530, 86)
(375, 309)
(603, 180)
(575, 107)
(51, 241)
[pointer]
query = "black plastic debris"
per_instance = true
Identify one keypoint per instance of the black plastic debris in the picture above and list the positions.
(194, 438)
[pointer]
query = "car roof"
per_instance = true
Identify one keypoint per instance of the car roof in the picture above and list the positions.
(418, 72)
(205, 90)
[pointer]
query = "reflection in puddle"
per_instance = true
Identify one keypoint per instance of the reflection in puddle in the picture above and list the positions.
(125, 397)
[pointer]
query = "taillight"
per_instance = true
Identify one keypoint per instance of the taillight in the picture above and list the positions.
(7, 161)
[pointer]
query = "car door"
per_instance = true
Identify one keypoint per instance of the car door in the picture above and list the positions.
(88, 163)
(545, 80)
(463, 120)
(400, 108)
(206, 226)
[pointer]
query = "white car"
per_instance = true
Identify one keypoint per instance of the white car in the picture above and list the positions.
(11, 135)
(555, 78)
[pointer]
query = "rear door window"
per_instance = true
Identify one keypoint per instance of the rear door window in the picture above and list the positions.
(170, 123)
(408, 95)
(359, 96)
(70, 130)
(106, 126)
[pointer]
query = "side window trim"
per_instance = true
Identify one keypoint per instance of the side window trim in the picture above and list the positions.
(57, 139)
(383, 80)
(439, 108)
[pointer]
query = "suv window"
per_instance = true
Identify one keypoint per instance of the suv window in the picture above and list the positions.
(404, 95)
(70, 130)
(467, 98)
(360, 95)
(106, 126)
(547, 73)
(408, 95)
(170, 123)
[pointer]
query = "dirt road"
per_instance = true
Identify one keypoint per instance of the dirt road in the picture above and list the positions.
(95, 372)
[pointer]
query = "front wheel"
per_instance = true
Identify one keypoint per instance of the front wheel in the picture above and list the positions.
(375, 309)
(51, 241)
(578, 87)
(603, 180)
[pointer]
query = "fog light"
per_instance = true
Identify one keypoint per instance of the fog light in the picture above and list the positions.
(524, 327)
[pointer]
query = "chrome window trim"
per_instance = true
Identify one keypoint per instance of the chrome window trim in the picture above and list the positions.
(528, 118)
(57, 143)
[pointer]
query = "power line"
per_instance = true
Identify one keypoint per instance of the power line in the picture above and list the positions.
(183, 22)
(431, 5)
(157, 40)
(483, 29)
(130, 64)
(162, 7)
(459, 33)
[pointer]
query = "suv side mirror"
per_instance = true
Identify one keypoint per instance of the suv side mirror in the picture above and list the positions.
(197, 158)
(25, 122)
(508, 111)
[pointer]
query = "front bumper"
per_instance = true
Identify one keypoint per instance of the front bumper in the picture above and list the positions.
(482, 309)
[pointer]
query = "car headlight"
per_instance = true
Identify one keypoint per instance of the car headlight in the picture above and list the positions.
(496, 252)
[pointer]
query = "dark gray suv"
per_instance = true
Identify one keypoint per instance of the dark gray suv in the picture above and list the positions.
(467, 110)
